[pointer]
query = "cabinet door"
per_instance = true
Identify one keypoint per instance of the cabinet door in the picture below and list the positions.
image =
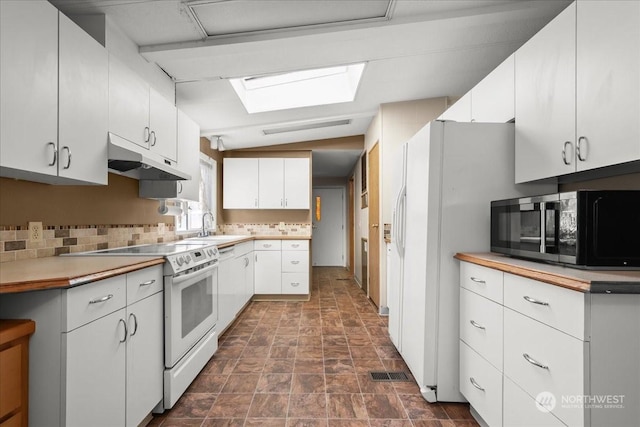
(268, 272)
(145, 357)
(460, 111)
(163, 125)
(249, 267)
(128, 104)
(271, 183)
(608, 85)
(94, 373)
(493, 99)
(545, 101)
(227, 306)
(188, 157)
(83, 105)
(296, 183)
(29, 87)
(240, 183)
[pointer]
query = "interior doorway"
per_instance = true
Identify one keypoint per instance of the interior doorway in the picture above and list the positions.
(328, 223)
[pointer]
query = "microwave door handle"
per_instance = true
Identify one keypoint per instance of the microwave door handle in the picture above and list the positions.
(543, 227)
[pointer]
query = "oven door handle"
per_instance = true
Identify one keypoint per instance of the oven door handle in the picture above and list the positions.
(202, 272)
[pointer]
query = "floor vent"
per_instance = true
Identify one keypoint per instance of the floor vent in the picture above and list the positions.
(388, 376)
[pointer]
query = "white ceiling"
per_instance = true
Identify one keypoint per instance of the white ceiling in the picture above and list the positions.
(414, 49)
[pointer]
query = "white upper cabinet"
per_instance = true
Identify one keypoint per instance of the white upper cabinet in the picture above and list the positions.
(578, 91)
(188, 157)
(296, 183)
(240, 183)
(460, 111)
(266, 183)
(271, 183)
(83, 105)
(29, 86)
(608, 83)
(139, 114)
(128, 104)
(163, 125)
(493, 99)
(54, 97)
(545, 100)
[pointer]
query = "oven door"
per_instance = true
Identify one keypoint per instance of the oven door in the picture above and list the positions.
(191, 309)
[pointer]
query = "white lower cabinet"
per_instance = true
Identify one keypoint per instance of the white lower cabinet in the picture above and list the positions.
(227, 307)
(481, 384)
(243, 273)
(281, 267)
(552, 354)
(113, 365)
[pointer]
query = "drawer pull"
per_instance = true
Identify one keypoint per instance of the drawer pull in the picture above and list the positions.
(266, 245)
(295, 245)
(478, 280)
(295, 283)
(124, 338)
(103, 299)
(475, 384)
(534, 361)
(534, 301)
(295, 262)
(477, 325)
(148, 282)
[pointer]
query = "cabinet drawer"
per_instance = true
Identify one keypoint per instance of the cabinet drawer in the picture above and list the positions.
(557, 307)
(295, 245)
(295, 283)
(481, 326)
(486, 395)
(143, 283)
(295, 261)
(520, 409)
(482, 280)
(563, 361)
(267, 245)
(94, 300)
(243, 248)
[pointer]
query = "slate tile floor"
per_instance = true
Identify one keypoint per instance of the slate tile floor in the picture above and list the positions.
(306, 364)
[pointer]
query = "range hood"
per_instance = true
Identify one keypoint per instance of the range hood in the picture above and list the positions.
(135, 163)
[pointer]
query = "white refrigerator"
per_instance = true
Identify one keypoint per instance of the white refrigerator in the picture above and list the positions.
(445, 177)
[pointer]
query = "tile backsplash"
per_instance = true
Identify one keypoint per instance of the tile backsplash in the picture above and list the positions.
(15, 243)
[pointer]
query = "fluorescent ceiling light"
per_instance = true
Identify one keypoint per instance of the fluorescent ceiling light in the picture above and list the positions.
(307, 126)
(299, 88)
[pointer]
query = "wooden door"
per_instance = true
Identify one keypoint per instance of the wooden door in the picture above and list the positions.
(374, 224)
(352, 225)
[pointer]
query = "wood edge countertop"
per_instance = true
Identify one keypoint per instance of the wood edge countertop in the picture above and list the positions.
(66, 271)
(566, 277)
(13, 329)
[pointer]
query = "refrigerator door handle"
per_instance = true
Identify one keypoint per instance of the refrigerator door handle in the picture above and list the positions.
(400, 221)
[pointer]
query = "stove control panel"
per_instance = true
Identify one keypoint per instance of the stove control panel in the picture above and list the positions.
(177, 263)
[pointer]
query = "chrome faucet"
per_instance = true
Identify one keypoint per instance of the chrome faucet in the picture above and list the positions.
(205, 233)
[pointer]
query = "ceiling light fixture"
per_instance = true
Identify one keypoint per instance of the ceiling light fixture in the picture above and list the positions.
(303, 88)
(307, 126)
(217, 143)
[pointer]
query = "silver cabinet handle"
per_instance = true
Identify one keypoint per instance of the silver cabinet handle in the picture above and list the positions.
(295, 245)
(580, 150)
(474, 279)
(179, 187)
(282, 202)
(534, 301)
(246, 261)
(148, 282)
(147, 134)
(566, 159)
(102, 299)
(295, 284)
(124, 337)
(135, 324)
(295, 262)
(68, 150)
(534, 361)
(475, 384)
(477, 325)
(54, 151)
(286, 202)
(266, 245)
(153, 132)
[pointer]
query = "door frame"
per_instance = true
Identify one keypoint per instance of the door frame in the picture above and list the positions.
(375, 230)
(352, 224)
(344, 219)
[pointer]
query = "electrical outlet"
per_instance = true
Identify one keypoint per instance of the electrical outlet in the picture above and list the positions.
(281, 226)
(35, 231)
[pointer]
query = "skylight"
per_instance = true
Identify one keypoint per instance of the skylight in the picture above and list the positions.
(299, 88)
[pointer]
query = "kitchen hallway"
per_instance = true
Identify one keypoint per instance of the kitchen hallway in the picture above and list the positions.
(307, 364)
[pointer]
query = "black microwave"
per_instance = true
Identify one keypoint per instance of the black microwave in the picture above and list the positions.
(586, 228)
